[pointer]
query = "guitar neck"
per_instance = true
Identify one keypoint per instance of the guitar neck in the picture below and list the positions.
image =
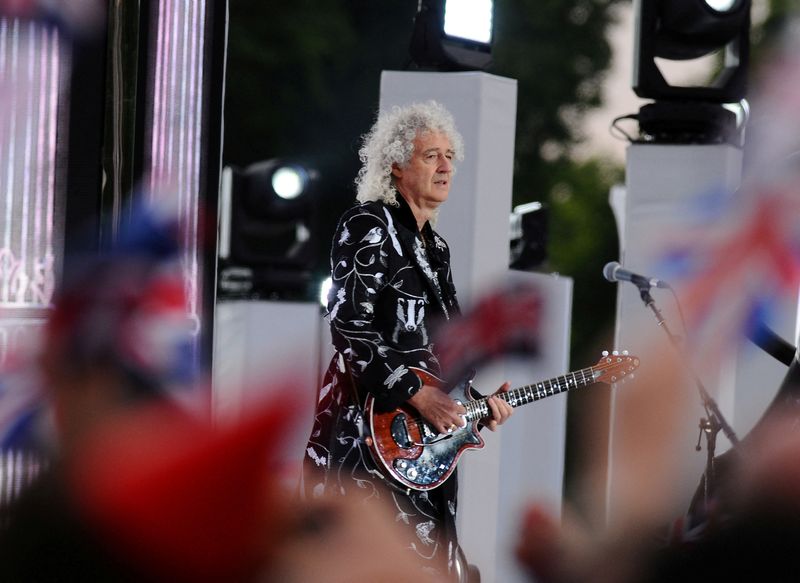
(479, 408)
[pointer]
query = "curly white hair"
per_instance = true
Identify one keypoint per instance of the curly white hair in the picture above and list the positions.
(391, 141)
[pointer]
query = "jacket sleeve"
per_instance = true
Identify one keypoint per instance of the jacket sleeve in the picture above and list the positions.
(360, 260)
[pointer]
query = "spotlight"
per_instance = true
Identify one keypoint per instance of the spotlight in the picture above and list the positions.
(290, 181)
(267, 225)
(469, 20)
(453, 35)
(681, 30)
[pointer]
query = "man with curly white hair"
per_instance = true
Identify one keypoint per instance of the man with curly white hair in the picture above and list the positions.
(391, 283)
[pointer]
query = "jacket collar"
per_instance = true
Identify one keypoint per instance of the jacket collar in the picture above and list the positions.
(403, 216)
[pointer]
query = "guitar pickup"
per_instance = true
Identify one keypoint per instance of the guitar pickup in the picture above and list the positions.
(400, 431)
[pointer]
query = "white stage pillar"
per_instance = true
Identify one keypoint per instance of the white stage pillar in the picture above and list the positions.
(527, 453)
(662, 181)
(475, 222)
(260, 347)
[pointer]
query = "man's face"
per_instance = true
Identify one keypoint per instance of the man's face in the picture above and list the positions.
(425, 180)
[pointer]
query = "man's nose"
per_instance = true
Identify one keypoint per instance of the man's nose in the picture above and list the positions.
(445, 164)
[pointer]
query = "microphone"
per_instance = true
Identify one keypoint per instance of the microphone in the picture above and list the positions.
(613, 271)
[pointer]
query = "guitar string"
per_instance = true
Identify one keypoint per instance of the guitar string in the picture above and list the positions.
(480, 406)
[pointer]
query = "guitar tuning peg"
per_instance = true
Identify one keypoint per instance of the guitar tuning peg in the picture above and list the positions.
(615, 353)
(624, 353)
(605, 353)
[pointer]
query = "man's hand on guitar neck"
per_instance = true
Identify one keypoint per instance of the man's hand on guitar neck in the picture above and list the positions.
(438, 409)
(499, 408)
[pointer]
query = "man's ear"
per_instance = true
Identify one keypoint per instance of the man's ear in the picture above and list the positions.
(396, 171)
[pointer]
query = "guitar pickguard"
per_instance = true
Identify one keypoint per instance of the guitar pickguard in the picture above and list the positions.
(438, 458)
(400, 431)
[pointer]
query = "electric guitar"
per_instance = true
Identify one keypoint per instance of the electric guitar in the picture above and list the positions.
(418, 457)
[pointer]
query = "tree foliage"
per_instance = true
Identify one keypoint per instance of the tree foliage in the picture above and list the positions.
(558, 52)
(583, 239)
(303, 78)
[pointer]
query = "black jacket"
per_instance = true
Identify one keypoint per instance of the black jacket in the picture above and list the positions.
(391, 283)
(389, 289)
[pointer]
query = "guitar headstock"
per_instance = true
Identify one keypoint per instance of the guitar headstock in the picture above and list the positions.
(615, 367)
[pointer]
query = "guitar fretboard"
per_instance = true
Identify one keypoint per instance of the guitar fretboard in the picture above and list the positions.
(479, 408)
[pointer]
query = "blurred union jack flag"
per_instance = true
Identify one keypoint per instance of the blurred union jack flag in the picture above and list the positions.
(742, 254)
(21, 406)
(505, 321)
(124, 308)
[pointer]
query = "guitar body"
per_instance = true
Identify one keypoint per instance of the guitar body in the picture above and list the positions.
(395, 439)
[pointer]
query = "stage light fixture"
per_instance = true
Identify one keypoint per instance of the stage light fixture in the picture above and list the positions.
(683, 30)
(324, 290)
(528, 245)
(453, 35)
(267, 229)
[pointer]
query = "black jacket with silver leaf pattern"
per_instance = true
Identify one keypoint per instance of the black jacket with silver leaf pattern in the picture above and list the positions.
(388, 291)
(390, 285)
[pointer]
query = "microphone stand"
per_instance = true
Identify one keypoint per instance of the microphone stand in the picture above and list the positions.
(714, 421)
